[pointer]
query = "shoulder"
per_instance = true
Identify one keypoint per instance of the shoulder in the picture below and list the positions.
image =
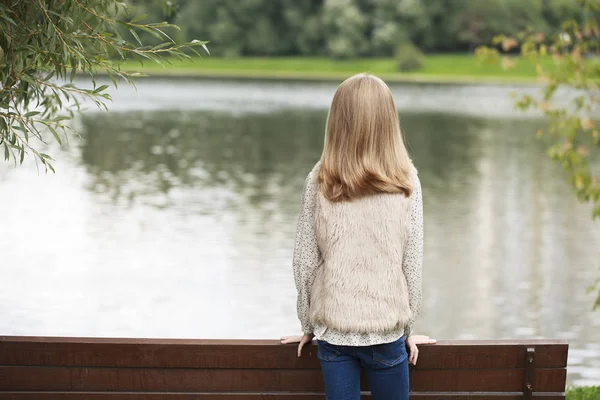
(413, 172)
(414, 179)
(316, 168)
(313, 176)
(312, 180)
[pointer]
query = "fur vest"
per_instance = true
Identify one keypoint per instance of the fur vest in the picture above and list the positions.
(360, 286)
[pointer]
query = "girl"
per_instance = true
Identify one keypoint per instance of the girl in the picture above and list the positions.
(359, 247)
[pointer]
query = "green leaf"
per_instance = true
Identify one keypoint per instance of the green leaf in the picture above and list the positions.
(135, 35)
(151, 31)
(55, 134)
(165, 35)
(100, 89)
(138, 18)
(5, 17)
(162, 46)
(49, 76)
(32, 114)
(57, 98)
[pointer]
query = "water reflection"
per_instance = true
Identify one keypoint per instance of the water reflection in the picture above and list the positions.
(183, 149)
(181, 224)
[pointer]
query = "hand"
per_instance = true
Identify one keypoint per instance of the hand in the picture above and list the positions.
(301, 340)
(413, 351)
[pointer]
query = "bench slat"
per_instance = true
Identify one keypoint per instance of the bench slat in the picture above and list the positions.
(500, 356)
(252, 396)
(223, 380)
(264, 354)
(249, 342)
(492, 380)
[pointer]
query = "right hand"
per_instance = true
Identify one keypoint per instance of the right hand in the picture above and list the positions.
(413, 350)
(301, 340)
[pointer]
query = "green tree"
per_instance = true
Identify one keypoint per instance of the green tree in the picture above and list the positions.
(344, 27)
(303, 26)
(45, 43)
(349, 28)
(570, 96)
(245, 27)
(435, 28)
(394, 22)
(477, 22)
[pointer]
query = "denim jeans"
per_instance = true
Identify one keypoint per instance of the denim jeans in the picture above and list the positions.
(386, 367)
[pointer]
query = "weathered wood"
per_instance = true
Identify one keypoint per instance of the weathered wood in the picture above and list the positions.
(134, 369)
(253, 396)
(166, 396)
(217, 380)
(453, 356)
(255, 354)
(251, 342)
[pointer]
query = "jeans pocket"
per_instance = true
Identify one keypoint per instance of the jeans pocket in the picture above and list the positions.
(390, 354)
(326, 351)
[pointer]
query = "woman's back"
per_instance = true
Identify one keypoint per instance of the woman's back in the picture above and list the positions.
(362, 243)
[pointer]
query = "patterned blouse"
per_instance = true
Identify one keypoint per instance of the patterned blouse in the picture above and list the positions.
(307, 259)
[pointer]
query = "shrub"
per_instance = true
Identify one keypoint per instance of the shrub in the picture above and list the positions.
(584, 393)
(408, 57)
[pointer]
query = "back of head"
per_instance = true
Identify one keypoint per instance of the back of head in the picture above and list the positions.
(364, 152)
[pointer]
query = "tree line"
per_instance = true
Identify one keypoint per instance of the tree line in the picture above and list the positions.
(354, 28)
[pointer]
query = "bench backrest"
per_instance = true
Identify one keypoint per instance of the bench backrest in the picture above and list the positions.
(37, 368)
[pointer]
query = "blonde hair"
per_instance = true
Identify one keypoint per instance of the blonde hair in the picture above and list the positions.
(364, 151)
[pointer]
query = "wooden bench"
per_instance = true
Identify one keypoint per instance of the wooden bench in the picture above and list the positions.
(46, 368)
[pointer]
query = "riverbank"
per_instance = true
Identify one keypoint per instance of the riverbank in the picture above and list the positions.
(462, 68)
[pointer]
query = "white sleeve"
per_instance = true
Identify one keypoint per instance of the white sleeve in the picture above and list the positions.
(412, 263)
(307, 256)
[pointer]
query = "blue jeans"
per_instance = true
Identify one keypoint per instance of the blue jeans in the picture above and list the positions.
(386, 367)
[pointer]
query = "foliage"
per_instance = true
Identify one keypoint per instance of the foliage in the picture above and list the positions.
(257, 27)
(408, 57)
(45, 43)
(571, 113)
(344, 28)
(583, 393)
(570, 95)
(477, 22)
(355, 28)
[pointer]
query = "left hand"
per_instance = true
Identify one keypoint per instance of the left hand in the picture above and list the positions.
(301, 340)
(411, 344)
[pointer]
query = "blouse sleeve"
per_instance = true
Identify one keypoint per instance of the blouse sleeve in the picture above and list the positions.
(307, 256)
(412, 264)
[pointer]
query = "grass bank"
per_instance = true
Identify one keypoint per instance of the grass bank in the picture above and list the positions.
(462, 68)
(584, 393)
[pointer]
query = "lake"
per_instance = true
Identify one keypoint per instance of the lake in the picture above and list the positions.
(173, 215)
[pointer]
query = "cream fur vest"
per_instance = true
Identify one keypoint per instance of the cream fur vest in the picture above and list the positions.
(360, 286)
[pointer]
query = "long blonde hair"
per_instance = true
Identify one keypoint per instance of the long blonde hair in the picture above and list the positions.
(364, 151)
